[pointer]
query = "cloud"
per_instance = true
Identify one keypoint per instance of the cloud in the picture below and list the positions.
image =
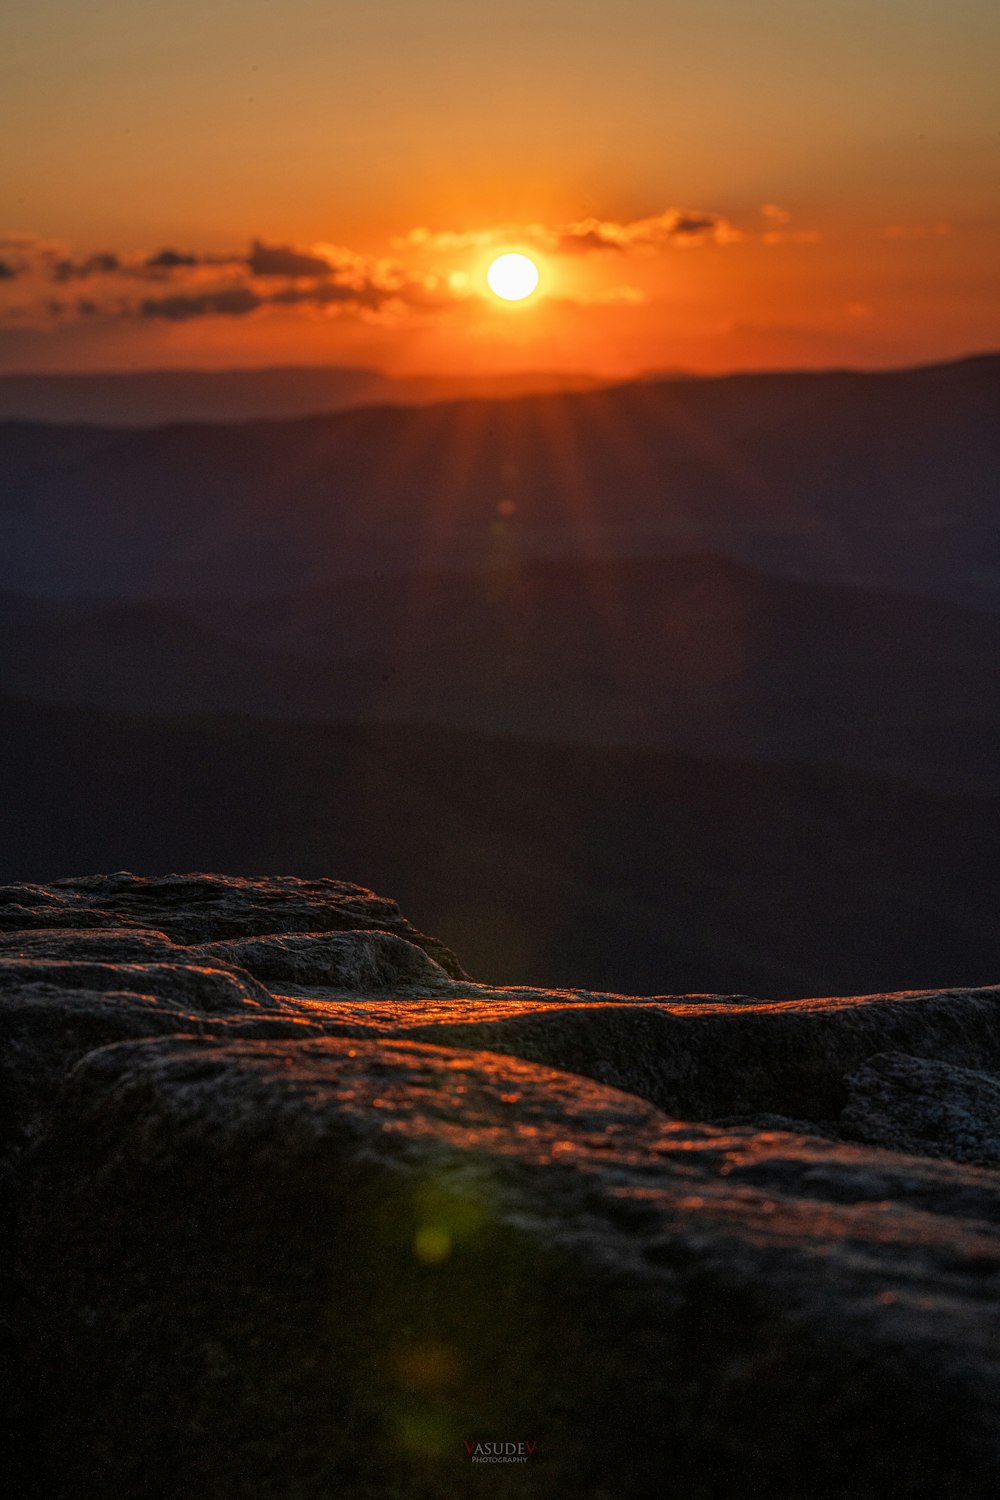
(431, 271)
(580, 240)
(681, 226)
(285, 260)
(323, 278)
(331, 294)
(355, 284)
(939, 231)
(685, 224)
(423, 238)
(674, 226)
(645, 236)
(776, 230)
(104, 264)
(170, 260)
(12, 241)
(22, 252)
(626, 295)
(677, 228)
(232, 302)
(791, 237)
(162, 265)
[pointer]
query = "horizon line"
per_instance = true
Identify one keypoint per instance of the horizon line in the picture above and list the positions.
(649, 372)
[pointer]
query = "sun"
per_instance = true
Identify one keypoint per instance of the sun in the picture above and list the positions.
(512, 277)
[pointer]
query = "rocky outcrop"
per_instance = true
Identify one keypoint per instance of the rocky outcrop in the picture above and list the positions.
(208, 908)
(302, 1211)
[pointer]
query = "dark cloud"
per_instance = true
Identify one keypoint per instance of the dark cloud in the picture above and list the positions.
(171, 260)
(695, 224)
(234, 302)
(285, 260)
(328, 294)
(104, 264)
(173, 285)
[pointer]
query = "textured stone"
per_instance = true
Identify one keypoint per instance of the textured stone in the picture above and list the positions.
(96, 944)
(704, 1060)
(211, 991)
(295, 1209)
(53, 1012)
(321, 1268)
(207, 908)
(360, 962)
(915, 1104)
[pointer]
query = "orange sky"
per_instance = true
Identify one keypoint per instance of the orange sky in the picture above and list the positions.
(706, 184)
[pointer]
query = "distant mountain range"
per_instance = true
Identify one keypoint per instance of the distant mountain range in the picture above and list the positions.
(647, 873)
(887, 480)
(686, 684)
(697, 654)
(146, 398)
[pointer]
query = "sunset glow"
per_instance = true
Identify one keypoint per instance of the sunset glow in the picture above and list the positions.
(335, 186)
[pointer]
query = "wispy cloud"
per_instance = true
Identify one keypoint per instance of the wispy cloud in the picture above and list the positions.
(321, 279)
(779, 230)
(104, 264)
(674, 226)
(429, 272)
(940, 230)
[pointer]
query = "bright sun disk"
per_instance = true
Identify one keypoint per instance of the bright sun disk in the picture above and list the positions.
(512, 277)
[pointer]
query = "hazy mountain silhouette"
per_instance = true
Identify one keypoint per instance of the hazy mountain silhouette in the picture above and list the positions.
(866, 478)
(141, 398)
(662, 697)
(638, 872)
(698, 654)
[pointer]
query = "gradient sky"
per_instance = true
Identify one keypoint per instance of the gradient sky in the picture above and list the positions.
(705, 183)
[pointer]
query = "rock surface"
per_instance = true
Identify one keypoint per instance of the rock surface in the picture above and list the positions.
(915, 1104)
(207, 908)
(296, 1209)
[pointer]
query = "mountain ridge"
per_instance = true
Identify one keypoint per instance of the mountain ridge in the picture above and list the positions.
(701, 654)
(625, 870)
(884, 479)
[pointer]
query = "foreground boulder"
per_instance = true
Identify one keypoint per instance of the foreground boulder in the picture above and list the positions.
(302, 1211)
(332, 1264)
